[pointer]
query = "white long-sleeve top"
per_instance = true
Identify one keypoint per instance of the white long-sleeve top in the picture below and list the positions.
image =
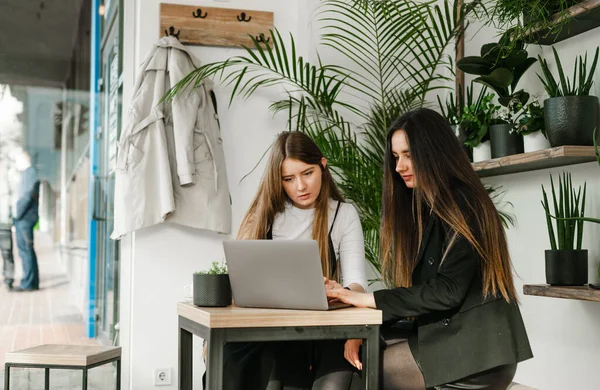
(347, 236)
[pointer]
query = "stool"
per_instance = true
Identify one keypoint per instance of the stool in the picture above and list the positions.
(49, 356)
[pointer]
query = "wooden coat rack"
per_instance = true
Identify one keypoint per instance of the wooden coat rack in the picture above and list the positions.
(212, 26)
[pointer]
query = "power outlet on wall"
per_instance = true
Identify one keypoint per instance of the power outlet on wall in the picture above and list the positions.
(162, 376)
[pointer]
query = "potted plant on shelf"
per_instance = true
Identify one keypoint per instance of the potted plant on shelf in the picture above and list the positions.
(582, 218)
(473, 127)
(212, 287)
(476, 121)
(570, 112)
(566, 262)
(500, 67)
(531, 127)
(530, 19)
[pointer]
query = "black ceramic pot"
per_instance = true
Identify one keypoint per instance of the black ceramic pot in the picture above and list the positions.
(212, 290)
(567, 267)
(503, 142)
(571, 120)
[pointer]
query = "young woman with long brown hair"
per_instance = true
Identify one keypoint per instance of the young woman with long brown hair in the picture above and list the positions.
(298, 199)
(444, 251)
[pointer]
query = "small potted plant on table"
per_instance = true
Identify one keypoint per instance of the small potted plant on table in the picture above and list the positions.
(212, 287)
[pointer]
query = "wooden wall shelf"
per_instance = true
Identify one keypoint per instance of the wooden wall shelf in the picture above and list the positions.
(199, 25)
(586, 16)
(582, 293)
(541, 159)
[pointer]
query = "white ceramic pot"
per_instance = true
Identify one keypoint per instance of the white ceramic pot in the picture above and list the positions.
(482, 152)
(535, 141)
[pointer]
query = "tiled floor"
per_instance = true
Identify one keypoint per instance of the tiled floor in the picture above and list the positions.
(43, 317)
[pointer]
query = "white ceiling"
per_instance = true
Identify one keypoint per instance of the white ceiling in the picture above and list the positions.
(36, 40)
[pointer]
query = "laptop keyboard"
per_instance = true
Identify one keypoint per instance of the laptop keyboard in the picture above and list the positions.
(337, 305)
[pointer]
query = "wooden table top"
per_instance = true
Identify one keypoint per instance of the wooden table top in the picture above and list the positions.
(244, 317)
(64, 355)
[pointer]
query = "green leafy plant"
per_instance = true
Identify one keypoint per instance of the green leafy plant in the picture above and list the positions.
(477, 119)
(582, 77)
(397, 55)
(569, 204)
(532, 119)
(215, 269)
(528, 18)
(500, 67)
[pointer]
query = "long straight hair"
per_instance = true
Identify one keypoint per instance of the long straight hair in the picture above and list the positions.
(444, 175)
(271, 198)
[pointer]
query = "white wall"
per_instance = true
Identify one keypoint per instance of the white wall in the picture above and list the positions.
(157, 262)
(563, 333)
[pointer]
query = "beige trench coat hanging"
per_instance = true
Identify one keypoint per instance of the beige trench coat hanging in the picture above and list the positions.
(170, 162)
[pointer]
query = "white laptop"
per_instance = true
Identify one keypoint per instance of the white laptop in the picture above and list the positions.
(280, 274)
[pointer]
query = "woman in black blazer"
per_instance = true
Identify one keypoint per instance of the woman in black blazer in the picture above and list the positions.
(444, 251)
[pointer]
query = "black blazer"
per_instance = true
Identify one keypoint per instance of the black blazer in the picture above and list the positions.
(458, 332)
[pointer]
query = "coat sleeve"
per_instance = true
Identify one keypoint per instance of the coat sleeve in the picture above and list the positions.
(31, 192)
(445, 291)
(184, 109)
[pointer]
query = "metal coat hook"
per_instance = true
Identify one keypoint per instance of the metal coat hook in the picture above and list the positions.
(242, 17)
(172, 33)
(198, 14)
(261, 38)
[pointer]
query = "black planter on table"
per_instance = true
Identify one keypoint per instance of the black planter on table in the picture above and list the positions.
(212, 290)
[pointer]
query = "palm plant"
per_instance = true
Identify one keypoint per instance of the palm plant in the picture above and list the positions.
(496, 193)
(450, 109)
(396, 51)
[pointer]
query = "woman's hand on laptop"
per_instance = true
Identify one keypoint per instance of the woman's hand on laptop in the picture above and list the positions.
(331, 284)
(352, 297)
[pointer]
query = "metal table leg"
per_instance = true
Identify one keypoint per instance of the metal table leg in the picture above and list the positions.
(46, 378)
(6, 376)
(185, 359)
(214, 361)
(370, 357)
(119, 374)
(84, 382)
